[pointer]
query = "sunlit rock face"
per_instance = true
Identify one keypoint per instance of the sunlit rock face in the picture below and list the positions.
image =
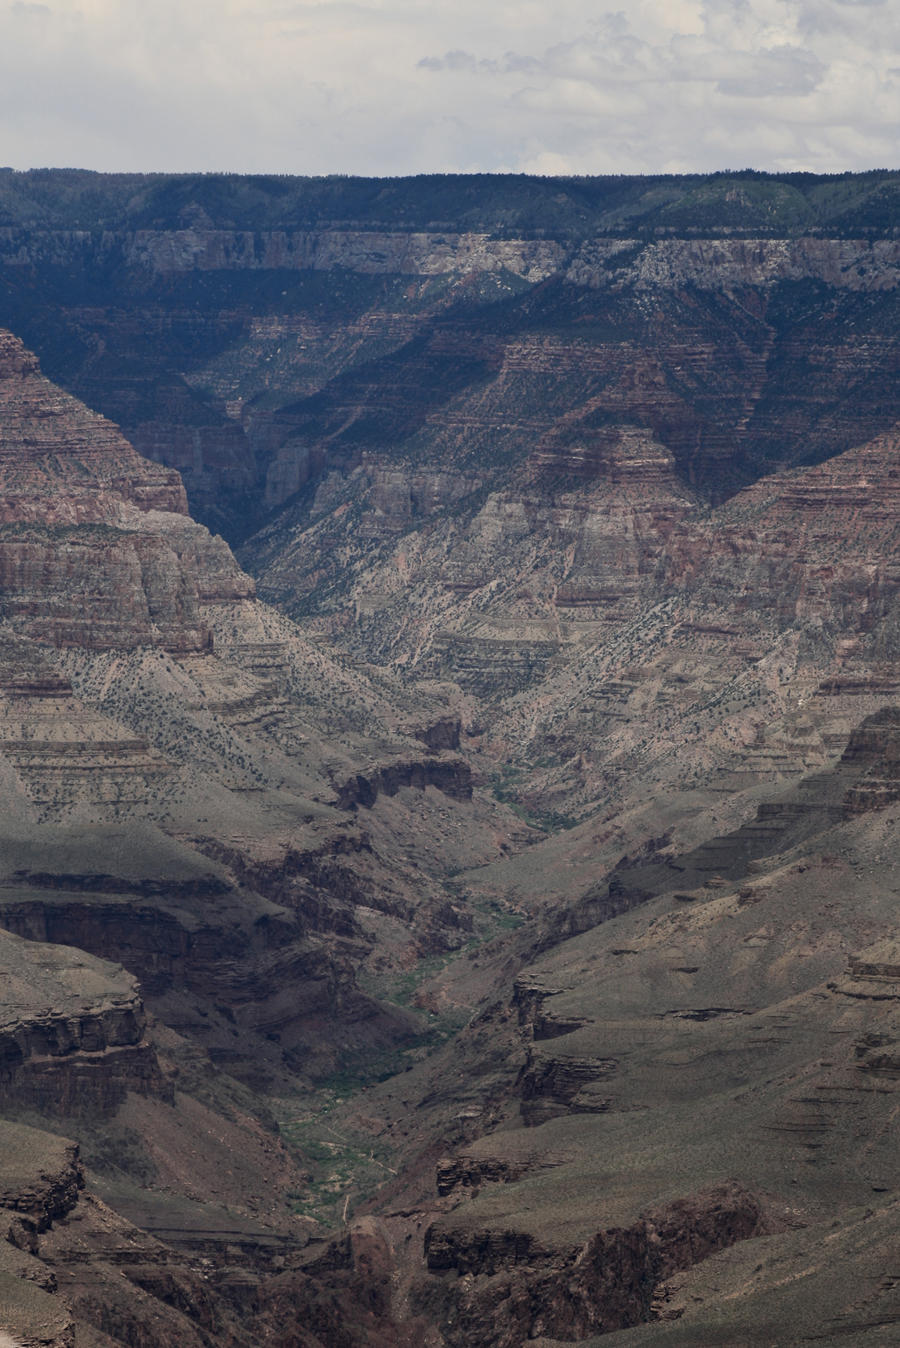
(96, 545)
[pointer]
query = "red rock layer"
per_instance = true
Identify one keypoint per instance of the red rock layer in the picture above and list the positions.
(51, 442)
(812, 545)
(96, 548)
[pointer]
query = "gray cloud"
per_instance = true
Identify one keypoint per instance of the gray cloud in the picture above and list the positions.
(788, 71)
(393, 86)
(451, 60)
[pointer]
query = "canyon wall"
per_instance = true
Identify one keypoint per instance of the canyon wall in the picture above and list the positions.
(265, 335)
(564, 728)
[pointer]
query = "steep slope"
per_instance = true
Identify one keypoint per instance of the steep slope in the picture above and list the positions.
(141, 681)
(572, 737)
(196, 792)
(768, 627)
(712, 1069)
(612, 634)
(262, 335)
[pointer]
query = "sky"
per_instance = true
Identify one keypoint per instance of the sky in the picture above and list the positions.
(414, 86)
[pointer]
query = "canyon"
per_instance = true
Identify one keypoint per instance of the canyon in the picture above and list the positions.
(450, 738)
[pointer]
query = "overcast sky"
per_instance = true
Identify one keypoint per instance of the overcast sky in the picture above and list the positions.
(411, 86)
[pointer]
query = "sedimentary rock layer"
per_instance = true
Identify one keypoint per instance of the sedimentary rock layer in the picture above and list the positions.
(72, 1034)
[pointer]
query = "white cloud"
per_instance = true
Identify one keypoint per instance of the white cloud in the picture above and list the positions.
(394, 86)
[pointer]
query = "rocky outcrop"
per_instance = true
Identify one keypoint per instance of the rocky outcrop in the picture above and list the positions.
(51, 440)
(440, 734)
(876, 743)
(367, 252)
(878, 964)
(488, 666)
(553, 1085)
(62, 752)
(452, 776)
(41, 1179)
(222, 965)
(41, 1176)
(83, 517)
(512, 1289)
(815, 545)
(851, 264)
(471, 1172)
(72, 1033)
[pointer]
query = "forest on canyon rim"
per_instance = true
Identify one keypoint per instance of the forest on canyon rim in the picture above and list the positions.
(450, 748)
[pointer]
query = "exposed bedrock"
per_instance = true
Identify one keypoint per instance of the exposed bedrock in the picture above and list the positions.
(862, 780)
(603, 1285)
(550, 1086)
(114, 706)
(816, 544)
(452, 776)
(440, 734)
(215, 979)
(96, 548)
(49, 438)
(876, 744)
(63, 753)
(734, 335)
(618, 631)
(158, 946)
(72, 1038)
(41, 1178)
(462, 1172)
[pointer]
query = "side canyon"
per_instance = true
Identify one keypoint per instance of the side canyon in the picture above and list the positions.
(450, 739)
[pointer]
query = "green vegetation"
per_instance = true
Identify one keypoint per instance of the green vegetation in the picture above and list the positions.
(347, 1166)
(506, 789)
(502, 204)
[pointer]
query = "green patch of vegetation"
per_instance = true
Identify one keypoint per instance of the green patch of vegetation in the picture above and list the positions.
(406, 984)
(505, 789)
(345, 1167)
(504, 205)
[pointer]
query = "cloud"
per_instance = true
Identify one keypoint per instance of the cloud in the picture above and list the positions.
(394, 86)
(451, 60)
(789, 71)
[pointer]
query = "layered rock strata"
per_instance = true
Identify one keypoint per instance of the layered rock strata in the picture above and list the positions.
(82, 514)
(264, 349)
(690, 1074)
(140, 681)
(73, 1034)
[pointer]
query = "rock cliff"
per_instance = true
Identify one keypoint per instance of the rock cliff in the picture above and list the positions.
(72, 1034)
(566, 732)
(260, 335)
(690, 1074)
